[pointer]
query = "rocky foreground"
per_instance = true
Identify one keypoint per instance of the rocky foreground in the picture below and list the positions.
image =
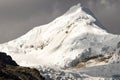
(9, 70)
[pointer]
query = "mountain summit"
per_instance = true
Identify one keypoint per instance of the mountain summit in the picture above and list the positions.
(72, 38)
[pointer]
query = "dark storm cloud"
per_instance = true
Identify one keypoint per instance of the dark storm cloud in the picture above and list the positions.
(19, 16)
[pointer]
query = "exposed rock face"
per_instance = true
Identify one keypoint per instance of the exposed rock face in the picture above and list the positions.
(6, 59)
(116, 56)
(9, 70)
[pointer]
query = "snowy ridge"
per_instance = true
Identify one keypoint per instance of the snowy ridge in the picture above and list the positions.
(65, 42)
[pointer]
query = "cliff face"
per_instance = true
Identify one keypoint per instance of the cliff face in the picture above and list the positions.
(9, 70)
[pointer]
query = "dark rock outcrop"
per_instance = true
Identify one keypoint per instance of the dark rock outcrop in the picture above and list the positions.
(6, 59)
(9, 70)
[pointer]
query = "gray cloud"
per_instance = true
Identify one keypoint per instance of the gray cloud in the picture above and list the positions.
(19, 16)
(107, 11)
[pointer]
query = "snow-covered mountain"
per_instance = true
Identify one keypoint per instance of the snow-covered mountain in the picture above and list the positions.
(64, 42)
(72, 39)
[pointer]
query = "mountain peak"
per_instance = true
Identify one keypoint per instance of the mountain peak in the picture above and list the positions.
(79, 13)
(73, 9)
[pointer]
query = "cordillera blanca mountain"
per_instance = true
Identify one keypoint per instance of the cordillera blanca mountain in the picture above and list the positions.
(75, 46)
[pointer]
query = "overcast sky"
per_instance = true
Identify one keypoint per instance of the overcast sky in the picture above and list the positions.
(19, 16)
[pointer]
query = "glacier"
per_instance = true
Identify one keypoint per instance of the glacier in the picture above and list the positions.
(75, 39)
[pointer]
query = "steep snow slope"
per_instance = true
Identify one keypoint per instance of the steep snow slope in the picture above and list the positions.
(68, 40)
